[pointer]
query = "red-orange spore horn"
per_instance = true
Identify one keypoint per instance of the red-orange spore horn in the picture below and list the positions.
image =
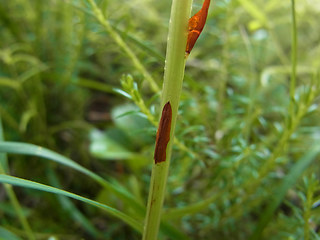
(196, 24)
(163, 134)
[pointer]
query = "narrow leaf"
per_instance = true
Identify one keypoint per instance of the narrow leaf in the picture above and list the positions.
(288, 182)
(72, 210)
(41, 187)
(34, 150)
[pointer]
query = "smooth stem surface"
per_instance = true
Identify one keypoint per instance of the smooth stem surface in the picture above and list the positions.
(173, 78)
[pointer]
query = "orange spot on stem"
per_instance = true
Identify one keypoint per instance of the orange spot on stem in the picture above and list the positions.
(196, 24)
(163, 134)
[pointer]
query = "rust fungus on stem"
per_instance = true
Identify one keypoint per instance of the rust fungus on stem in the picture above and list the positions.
(196, 24)
(163, 134)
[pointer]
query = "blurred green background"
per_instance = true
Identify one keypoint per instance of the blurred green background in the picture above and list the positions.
(80, 86)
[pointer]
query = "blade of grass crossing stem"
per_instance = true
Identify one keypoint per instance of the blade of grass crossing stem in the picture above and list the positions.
(11, 194)
(45, 188)
(34, 150)
(173, 78)
(73, 211)
(295, 172)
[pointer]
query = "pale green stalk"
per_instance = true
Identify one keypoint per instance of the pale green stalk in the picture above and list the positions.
(128, 86)
(173, 78)
(294, 119)
(223, 79)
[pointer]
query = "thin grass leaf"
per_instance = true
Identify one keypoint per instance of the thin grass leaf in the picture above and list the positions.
(139, 43)
(176, 213)
(11, 194)
(34, 150)
(122, 93)
(168, 230)
(8, 82)
(123, 45)
(45, 188)
(95, 85)
(287, 183)
(3, 156)
(73, 211)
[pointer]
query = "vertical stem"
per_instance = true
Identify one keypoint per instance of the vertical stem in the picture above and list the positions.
(252, 85)
(223, 76)
(307, 212)
(173, 78)
(11, 194)
(293, 58)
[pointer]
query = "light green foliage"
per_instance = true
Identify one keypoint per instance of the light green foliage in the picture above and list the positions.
(83, 78)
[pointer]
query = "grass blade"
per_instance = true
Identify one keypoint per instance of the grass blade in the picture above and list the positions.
(45, 188)
(34, 150)
(11, 194)
(288, 182)
(72, 210)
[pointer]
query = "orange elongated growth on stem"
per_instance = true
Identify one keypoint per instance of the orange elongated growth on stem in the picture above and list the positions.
(163, 134)
(196, 24)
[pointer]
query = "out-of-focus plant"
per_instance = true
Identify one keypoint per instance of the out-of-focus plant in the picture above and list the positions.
(82, 78)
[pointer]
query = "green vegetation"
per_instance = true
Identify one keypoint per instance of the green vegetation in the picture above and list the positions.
(80, 100)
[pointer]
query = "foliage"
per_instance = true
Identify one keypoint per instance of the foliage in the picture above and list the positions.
(83, 79)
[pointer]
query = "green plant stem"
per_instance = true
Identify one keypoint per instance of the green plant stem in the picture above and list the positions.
(11, 194)
(223, 75)
(289, 180)
(18, 209)
(307, 208)
(176, 213)
(122, 44)
(173, 78)
(293, 58)
(251, 186)
(252, 113)
(34, 150)
(138, 100)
